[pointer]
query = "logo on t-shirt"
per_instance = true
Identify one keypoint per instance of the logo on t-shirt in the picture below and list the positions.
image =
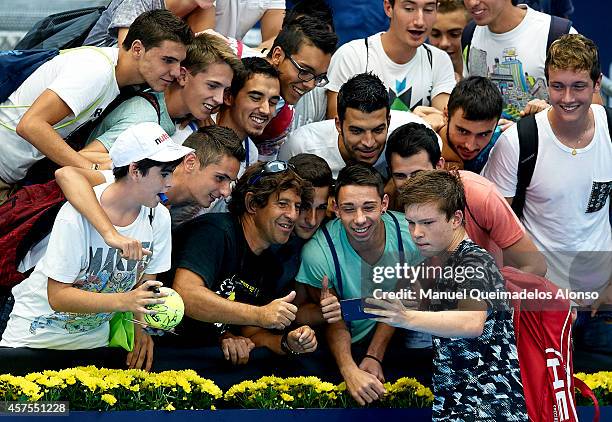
(403, 101)
(516, 86)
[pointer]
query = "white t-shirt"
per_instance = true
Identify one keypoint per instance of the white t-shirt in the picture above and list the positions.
(566, 205)
(311, 108)
(410, 85)
(234, 18)
(78, 255)
(321, 138)
(84, 78)
(514, 60)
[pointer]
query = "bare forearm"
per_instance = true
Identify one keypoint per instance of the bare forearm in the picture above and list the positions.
(77, 188)
(309, 314)
(65, 298)
(446, 323)
(264, 338)
(380, 340)
(204, 305)
(339, 340)
(524, 255)
(44, 138)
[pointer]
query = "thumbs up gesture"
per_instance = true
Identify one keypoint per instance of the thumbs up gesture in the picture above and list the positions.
(330, 306)
(279, 313)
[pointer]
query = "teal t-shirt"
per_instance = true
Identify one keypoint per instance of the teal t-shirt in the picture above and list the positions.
(132, 111)
(357, 275)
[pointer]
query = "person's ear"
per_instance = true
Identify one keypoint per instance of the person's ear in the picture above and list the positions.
(440, 164)
(278, 56)
(249, 203)
(597, 86)
(228, 98)
(137, 48)
(191, 162)
(133, 172)
(458, 219)
(388, 8)
(334, 206)
(385, 203)
(182, 79)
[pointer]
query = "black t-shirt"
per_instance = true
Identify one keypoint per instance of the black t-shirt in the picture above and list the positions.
(288, 256)
(213, 246)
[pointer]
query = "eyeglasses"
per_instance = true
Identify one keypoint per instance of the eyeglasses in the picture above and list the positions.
(306, 75)
(271, 167)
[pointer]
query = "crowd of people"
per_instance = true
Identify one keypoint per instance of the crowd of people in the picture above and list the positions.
(268, 185)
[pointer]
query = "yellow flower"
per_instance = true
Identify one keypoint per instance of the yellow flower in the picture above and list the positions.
(169, 407)
(212, 407)
(109, 398)
(286, 397)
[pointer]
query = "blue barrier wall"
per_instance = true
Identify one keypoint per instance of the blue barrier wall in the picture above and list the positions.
(592, 18)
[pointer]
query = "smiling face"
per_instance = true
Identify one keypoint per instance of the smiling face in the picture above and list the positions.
(276, 220)
(205, 184)
(202, 93)
(254, 105)
(309, 58)
(363, 135)
(310, 218)
(411, 20)
(360, 210)
(485, 12)
(429, 228)
(159, 66)
(469, 137)
(446, 35)
(571, 94)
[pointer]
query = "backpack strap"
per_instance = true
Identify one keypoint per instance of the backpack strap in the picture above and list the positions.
(429, 55)
(466, 41)
(528, 154)
(609, 118)
(152, 99)
(558, 26)
(367, 53)
(586, 392)
(400, 243)
(332, 248)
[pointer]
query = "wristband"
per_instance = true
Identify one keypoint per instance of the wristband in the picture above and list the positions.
(374, 358)
(285, 345)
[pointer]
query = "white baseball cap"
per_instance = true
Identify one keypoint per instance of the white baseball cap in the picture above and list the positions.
(145, 140)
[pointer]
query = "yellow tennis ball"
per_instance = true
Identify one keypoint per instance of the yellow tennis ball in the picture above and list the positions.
(168, 314)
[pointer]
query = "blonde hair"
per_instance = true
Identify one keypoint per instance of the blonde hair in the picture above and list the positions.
(573, 52)
(207, 49)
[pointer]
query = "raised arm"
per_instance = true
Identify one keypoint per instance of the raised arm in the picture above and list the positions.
(36, 127)
(77, 186)
(203, 304)
(271, 23)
